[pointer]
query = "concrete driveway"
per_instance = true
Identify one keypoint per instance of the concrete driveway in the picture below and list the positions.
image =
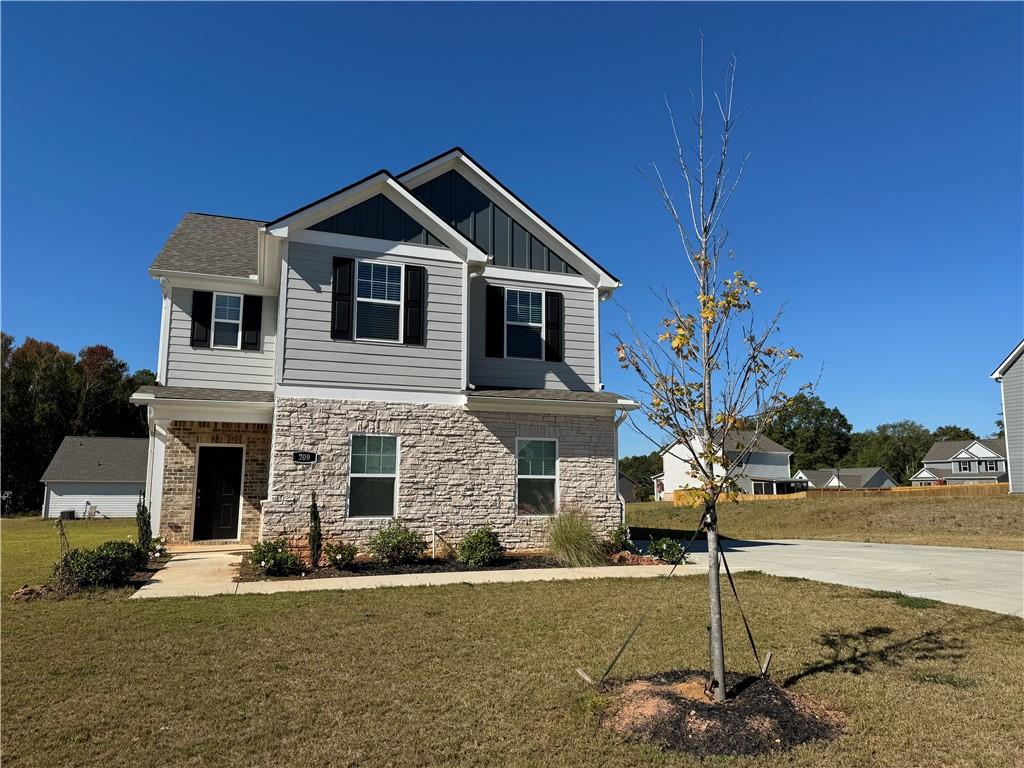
(979, 578)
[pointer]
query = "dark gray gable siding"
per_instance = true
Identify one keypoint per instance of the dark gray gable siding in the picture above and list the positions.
(479, 219)
(313, 358)
(378, 218)
(575, 372)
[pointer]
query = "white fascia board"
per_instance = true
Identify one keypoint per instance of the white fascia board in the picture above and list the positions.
(374, 246)
(533, 223)
(206, 410)
(163, 349)
(1007, 364)
(923, 472)
(530, 405)
(330, 206)
(535, 277)
(200, 281)
(370, 395)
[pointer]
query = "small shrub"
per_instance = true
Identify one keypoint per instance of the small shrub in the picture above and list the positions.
(666, 549)
(158, 546)
(341, 556)
(396, 543)
(619, 539)
(143, 525)
(479, 548)
(111, 564)
(274, 558)
(573, 541)
(316, 539)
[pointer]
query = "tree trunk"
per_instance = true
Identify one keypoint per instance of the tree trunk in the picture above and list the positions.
(715, 594)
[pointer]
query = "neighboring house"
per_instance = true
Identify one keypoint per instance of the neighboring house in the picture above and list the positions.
(765, 469)
(963, 462)
(627, 488)
(848, 478)
(659, 486)
(422, 346)
(1010, 375)
(104, 473)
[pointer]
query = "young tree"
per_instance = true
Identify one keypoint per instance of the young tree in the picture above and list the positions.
(708, 371)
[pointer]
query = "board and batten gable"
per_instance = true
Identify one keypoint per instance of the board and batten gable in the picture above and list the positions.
(1013, 420)
(575, 372)
(312, 358)
(189, 366)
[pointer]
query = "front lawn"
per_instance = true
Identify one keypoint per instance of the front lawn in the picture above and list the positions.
(993, 522)
(481, 675)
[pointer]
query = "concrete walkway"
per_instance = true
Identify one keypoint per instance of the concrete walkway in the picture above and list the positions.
(978, 578)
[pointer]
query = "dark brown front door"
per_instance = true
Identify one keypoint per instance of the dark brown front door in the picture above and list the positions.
(218, 488)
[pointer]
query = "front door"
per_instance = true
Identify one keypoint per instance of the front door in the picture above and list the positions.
(218, 490)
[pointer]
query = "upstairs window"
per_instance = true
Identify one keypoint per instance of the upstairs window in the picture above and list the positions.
(379, 301)
(227, 320)
(536, 477)
(965, 466)
(524, 317)
(373, 476)
(991, 466)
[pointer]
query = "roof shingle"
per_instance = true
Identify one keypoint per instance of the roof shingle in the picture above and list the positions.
(99, 459)
(211, 245)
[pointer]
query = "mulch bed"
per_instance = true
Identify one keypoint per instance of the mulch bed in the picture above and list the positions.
(35, 592)
(249, 572)
(672, 711)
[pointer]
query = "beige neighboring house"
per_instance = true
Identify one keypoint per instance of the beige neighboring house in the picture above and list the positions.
(1010, 375)
(846, 478)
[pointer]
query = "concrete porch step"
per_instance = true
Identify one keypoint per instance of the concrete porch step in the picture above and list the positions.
(207, 546)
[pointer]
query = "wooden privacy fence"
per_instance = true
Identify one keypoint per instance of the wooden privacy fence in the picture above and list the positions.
(689, 498)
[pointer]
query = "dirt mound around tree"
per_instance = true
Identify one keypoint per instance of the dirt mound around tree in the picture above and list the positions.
(673, 711)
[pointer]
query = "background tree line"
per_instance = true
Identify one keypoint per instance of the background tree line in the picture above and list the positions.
(47, 394)
(822, 437)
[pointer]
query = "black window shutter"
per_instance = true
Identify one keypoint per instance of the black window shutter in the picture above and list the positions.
(342, 279)
(415, 305)
(252, 318)
(554, 323)
(494, 345)
(202, 315)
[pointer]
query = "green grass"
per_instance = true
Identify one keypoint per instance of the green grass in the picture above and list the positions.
(477, 675)
(995, 522)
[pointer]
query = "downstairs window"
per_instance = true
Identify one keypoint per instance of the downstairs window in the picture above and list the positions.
(536, 477)
(373, 476)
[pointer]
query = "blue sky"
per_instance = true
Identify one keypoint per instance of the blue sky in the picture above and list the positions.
(883, 201)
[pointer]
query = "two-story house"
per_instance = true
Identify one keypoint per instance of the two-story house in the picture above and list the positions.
(963, 462)
(765, 466)
(423, 346)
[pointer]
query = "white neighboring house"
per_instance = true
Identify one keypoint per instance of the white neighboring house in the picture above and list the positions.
(1010, 375)
(846, 478)
(963, 462)
(765, 470)
(105, 473)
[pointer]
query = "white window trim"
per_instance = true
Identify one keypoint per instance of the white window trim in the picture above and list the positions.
(351, 474)
(214, 321)
(991, 465)
(558, 461)
(400, 303)
(543, 320)
(960, 466)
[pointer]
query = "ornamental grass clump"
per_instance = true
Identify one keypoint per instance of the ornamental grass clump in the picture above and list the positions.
(479, 548)
(397, 544)
(573, 542)
(273, 558)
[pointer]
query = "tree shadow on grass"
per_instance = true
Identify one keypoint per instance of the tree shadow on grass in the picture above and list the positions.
(871, 647)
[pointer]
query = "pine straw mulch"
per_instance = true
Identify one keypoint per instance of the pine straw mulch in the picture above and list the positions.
(671, 710)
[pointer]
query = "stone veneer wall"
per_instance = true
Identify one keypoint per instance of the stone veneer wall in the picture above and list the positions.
(183, 439)
(457, 469)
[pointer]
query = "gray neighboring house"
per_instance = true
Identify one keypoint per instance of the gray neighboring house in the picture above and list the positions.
(1010, 375)
(963, 462)
(627, 488)
(422, 346)
(848, 478)
(107, 473)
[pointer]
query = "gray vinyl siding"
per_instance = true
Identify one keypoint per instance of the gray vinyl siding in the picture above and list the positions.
(189, 366)
(110, 499)
(773, 466)
(313, 358)
(1013, 419)
(576, 372)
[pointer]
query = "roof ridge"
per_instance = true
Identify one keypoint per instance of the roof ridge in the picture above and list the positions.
(225, 216)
